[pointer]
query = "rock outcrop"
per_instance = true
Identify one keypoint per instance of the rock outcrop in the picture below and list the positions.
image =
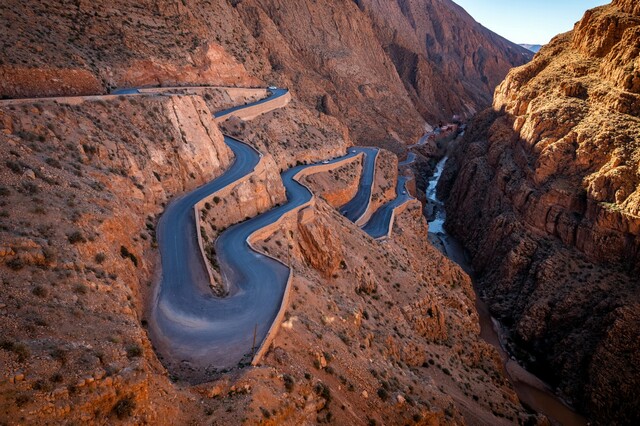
(385, 179)
(338, 186)
(318, 245)
(23, 82)
(545, 192)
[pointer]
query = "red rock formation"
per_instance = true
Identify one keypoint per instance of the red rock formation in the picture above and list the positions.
(545, 192)
(436, 44)
(332, 54)
(23, 82)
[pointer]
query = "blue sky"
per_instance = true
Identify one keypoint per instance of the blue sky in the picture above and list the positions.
(526, 21)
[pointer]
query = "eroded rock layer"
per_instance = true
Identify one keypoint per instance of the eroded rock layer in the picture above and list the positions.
(545, 192)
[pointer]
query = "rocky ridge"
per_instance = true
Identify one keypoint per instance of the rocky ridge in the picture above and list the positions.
(352, 54)
(545, 192)
(437, 44)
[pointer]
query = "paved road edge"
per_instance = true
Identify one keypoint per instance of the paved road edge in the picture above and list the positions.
(269, 229)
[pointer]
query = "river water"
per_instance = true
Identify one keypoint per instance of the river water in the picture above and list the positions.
(531, 391)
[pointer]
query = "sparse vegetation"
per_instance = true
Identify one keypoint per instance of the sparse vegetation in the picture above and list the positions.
(21, 350)
(40, 291)
(59, 355)
(265, 413)
(23, 399)
(80, 289)
(16, 263)
(289, 382)
(383, 394)
(323, 391)
(53, 163)
(14, 166)
(134, 350)
(125, 253)
(42, 385)
(124, 407)
(76, 237)
(56, 378)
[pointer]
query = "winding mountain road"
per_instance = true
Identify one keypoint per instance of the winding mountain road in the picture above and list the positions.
(411, 157)
(359, 204)
(275, 93)
(381, 222)
(187, 320)
(190, 324)
(200, 331)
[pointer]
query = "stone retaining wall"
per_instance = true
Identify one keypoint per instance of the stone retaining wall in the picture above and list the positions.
(251, 112)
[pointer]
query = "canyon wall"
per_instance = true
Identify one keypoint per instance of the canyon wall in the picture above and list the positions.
(544, 190)
(382, 68)
(436, 45)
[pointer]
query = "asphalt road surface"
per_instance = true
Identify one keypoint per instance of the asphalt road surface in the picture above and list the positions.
(411, 157)
(275, 93)
(185, 314)
(380, 222)
(358, 205)
(188, 323)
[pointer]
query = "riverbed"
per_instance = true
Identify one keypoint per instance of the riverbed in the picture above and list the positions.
(532, 392)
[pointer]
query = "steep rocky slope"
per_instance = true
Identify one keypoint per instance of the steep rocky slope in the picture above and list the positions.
(81, 189)
(389, 329)
(355, 62)
(545, 192)
(435, 45)
(82, 184)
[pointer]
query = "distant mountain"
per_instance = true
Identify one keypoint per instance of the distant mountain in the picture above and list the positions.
(532, 47)
(436, 44)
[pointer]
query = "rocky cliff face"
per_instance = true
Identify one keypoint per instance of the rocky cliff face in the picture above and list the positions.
(399, 62)
(435, 44)
(339, 185)
(545, 192)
